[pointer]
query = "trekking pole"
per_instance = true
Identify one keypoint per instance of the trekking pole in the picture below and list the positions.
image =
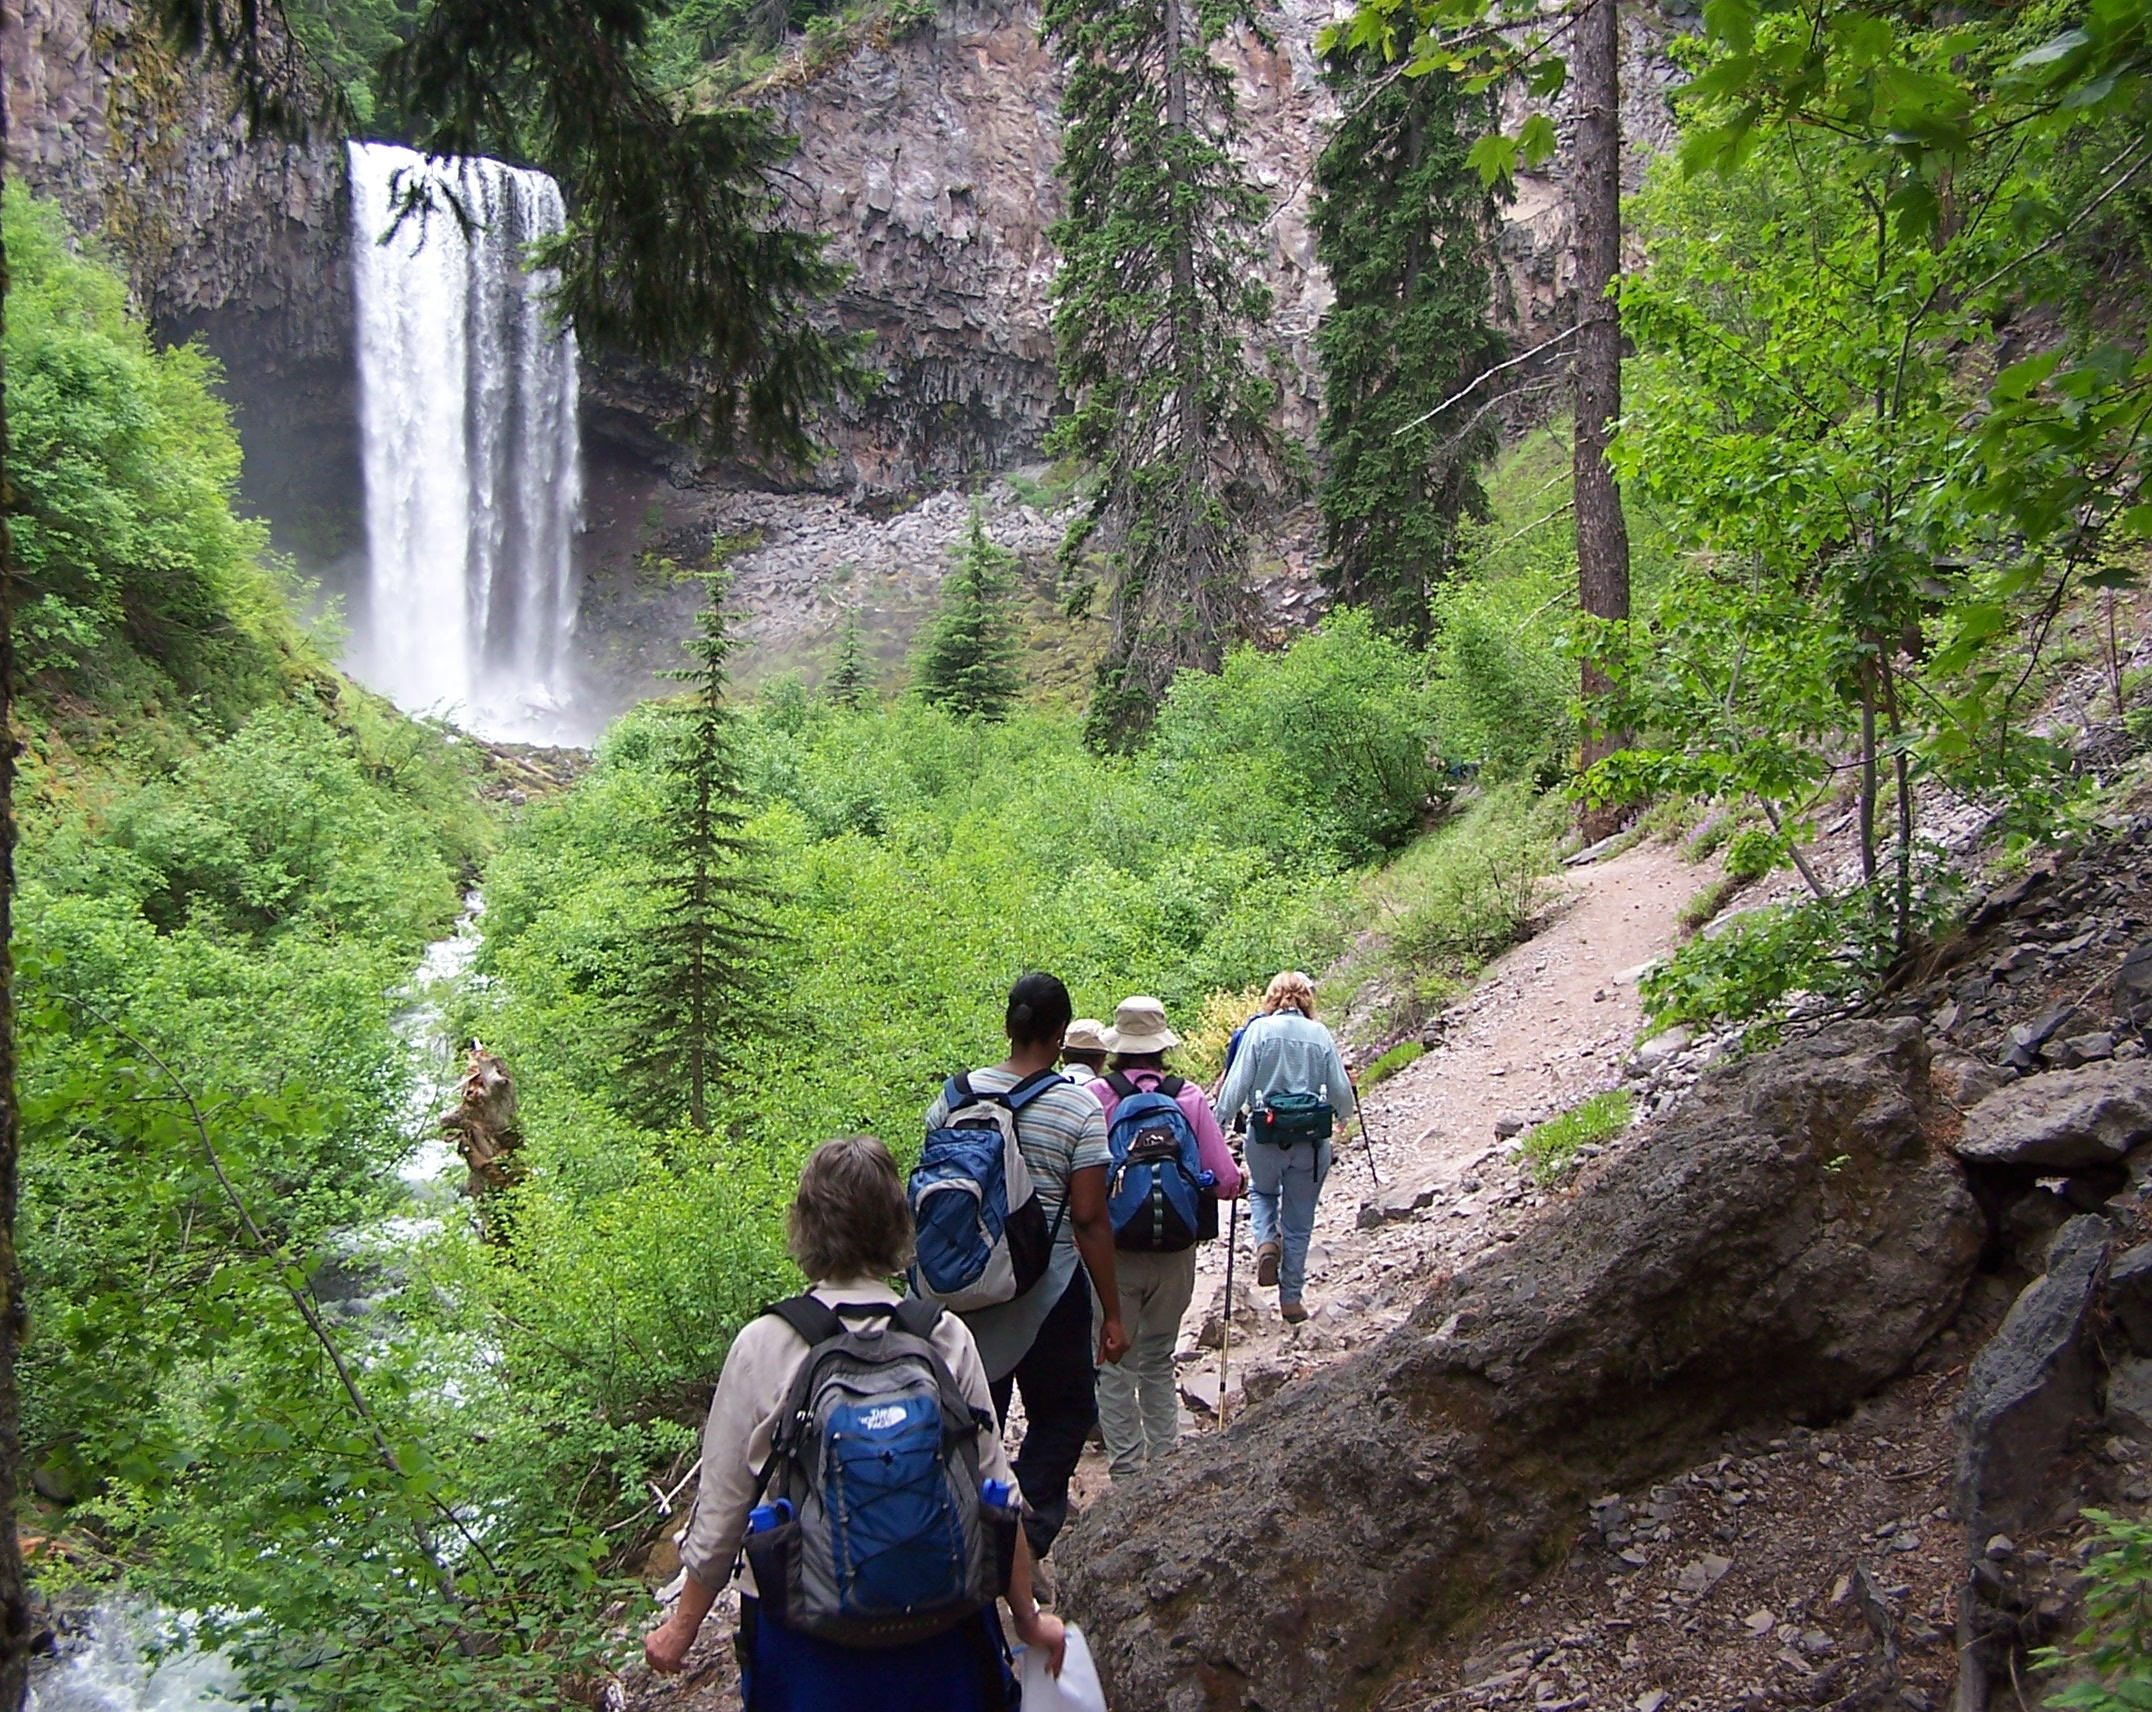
(1225, 1336)
(1359, 1106)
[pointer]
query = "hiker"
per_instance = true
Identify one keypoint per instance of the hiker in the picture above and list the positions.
(851, 1230)
(1083, 1051)
(1039, 1341)
(1139, 1403)
(1291, 1083)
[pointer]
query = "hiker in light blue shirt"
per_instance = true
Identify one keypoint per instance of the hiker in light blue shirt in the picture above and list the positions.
(1286, 1052)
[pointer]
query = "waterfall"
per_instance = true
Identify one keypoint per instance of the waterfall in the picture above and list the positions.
(468, 431)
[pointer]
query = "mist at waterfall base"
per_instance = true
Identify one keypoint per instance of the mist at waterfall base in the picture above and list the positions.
(472, 461)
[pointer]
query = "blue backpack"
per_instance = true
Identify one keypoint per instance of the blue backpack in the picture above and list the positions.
(1157, 1192)
(982, 1235)
(871, 1527)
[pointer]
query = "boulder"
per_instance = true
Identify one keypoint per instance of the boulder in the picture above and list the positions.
(2062, 1121)
(1787, 1243)
(2030, 1387)
(2129, 1396)
(2129, 1296)
(2133, 989)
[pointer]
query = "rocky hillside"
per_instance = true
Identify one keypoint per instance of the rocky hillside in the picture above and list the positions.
(1792, 1398)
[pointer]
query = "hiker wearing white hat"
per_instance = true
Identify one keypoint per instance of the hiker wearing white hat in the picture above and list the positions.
(1139, 1405)
(1083, 1050)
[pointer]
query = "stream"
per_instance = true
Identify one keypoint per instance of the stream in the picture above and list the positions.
(128, 1655)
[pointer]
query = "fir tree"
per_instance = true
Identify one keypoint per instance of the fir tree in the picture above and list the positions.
(1404, 225)
(1158, 298)
(702, 964)
(969, 664)
(851, 682)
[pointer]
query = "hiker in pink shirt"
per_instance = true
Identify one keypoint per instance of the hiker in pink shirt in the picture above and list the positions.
(1139, 1405)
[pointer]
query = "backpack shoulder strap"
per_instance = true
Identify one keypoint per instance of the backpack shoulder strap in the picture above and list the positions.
(1120, 1084)
(918, 1316)
(1030, 1088)
(816, 1322)
(957, 1090)
(1171, 1086)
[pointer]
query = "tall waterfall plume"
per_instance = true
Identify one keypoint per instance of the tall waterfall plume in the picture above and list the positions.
(468, 429)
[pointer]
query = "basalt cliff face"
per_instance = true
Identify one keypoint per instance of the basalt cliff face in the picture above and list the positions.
(224, 232)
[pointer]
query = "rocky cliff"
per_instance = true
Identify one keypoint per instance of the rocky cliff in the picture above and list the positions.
(241, 238)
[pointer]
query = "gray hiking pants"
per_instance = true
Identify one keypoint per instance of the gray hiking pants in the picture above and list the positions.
(1139, 1400)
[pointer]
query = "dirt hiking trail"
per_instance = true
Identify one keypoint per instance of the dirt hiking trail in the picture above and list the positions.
(1549, 1022)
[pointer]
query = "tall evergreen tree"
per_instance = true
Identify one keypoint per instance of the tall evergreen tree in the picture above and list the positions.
(851, 683)
(702, 964)
(969, 663)
(1158, 298)
(1405, 225)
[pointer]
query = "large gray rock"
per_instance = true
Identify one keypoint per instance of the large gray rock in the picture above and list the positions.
(2133, 989)
(2064, 1120)
(2030, 1388)
(1786, 1243)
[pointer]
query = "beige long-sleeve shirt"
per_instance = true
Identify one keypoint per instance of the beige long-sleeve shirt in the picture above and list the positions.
(759, 1373)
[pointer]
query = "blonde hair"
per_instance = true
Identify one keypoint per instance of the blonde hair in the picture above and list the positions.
(849, 1218)
(1290, 991)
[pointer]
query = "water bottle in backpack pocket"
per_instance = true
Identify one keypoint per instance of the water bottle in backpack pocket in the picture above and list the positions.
(1158, 1195)
(982, 1237)
(876, 1532)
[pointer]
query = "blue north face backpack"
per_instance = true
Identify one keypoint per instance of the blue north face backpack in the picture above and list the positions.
(1157, 1192)
(982, 1235)
(875, 1532)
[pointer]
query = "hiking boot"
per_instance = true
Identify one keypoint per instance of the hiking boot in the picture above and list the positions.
(1292, 1313)
(1266, 1264)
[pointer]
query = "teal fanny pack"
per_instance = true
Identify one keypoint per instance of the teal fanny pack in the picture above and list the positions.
(1286, 1119)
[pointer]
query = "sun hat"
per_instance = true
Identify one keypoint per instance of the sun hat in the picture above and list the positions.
(1139, 1025)
(1085, 1034)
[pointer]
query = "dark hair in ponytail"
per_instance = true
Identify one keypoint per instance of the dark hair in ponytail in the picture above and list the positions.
(1039, 1011)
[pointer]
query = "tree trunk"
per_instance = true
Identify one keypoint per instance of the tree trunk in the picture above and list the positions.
(1602, 536)
(14, 1596)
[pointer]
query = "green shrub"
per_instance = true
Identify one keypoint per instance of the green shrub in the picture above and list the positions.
(1391, 1062)
(2115, 1644)
(1550, 1149)
(1319, 751)
(135, 570)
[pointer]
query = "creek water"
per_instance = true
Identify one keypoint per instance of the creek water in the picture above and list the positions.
(468, 392)
(129, 1655)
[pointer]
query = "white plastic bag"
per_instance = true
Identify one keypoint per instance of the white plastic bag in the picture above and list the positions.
(1076, 1689)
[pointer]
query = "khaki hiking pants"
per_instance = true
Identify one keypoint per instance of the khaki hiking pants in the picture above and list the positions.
(1139, 1400)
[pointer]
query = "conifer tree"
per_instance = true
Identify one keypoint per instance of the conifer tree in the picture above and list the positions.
(703, 962)
(851, 684)
(1405, 226)
(969, 663)
(1158, 297)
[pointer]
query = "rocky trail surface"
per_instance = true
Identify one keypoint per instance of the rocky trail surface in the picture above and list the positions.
(1549, 1022)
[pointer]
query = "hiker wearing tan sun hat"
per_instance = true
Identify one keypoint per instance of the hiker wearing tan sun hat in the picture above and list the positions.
(1170, 1166)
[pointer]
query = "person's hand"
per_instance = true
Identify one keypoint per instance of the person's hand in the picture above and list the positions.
(1112, 1341)
(665, 1647)
(1048, 1635)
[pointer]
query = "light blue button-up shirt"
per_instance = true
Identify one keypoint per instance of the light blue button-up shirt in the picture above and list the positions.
(1285, 1053)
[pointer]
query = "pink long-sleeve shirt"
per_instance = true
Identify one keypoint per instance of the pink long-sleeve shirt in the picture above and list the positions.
(1212, 1150)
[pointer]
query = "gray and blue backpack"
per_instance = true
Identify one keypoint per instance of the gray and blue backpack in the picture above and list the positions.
(982, 1237)
(870, 1527)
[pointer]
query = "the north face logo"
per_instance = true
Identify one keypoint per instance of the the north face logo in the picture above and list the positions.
(882, 1419)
